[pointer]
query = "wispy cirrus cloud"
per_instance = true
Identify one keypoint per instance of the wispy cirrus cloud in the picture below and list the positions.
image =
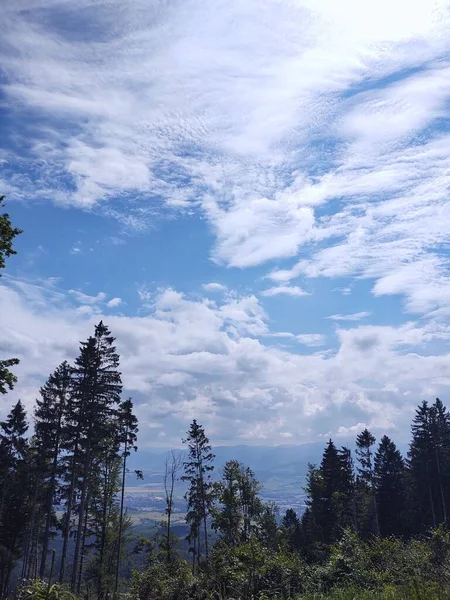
(254, 115)
(311, 339)
(359, 316)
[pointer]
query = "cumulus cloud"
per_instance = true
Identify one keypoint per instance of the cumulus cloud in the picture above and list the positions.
(114, 302)
(286, 290)
(193, 359)
(307, 133)
(214, 287)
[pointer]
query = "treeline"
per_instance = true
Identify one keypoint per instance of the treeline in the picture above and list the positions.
(373, 523)
(65, 479)
(382, 494)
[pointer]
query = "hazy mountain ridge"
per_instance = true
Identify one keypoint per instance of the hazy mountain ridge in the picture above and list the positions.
(280, 469)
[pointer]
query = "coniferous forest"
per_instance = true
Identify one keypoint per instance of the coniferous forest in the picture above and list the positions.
(375, 523)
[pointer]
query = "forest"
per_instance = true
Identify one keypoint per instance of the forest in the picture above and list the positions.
(375, 523)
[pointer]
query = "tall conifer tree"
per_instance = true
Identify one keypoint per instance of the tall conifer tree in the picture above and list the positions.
(49, 425)
(14, 491)
(389, 473)
(97, 387)
(364, 451)
(198, 468)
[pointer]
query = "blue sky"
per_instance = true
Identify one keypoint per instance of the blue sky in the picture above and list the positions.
(252, 195)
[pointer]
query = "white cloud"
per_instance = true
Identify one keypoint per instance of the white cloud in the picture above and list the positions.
(76, 248)
(114, 302)
(307, 130)
(187, 359)
(86, 298)
(345, 291)
(214, 287)
(359, 316)
(311, 339)
(351, 430)
(284, 290)
(255, 116)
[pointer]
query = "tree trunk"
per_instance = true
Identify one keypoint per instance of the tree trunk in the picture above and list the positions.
(441, 488)
(49, 504)
(81, 514)
(169, 553)
(69, 509)
(83, 544)
(26, 567)
(103, 531)
(119, 542)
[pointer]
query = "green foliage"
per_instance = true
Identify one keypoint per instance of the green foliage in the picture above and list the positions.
(7, 379)
(164, 581)
(7, 235)
(252, 570)
(41, 590)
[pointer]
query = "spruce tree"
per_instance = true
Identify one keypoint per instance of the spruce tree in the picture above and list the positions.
(249, 488)
(49, 425)
(347, 491)
(238, 504)
(96, 392)
(364, 444)
(429, 465)
(267, 525)
(291, 530)
(14, 491)
(389, 474)
(440, 432)
(227, 516)
(199, 496)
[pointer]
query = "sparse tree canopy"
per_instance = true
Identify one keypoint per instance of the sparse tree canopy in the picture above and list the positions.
(7, 235)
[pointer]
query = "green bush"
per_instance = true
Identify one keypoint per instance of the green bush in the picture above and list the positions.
(41, 590)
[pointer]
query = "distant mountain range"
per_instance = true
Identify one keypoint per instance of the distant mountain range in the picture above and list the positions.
(280, 469)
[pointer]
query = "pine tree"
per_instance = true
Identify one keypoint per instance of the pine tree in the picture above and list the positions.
(96, 394)
(331, 503)
(291, 530)
(364, 443)
(103, 517)
(238, 503)
(199, 496)
(49, 414)
(440, 433)
(249, 489)
(347, 491)
(15, 491)
(389, 477)
(267, 525)
(429, 465)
